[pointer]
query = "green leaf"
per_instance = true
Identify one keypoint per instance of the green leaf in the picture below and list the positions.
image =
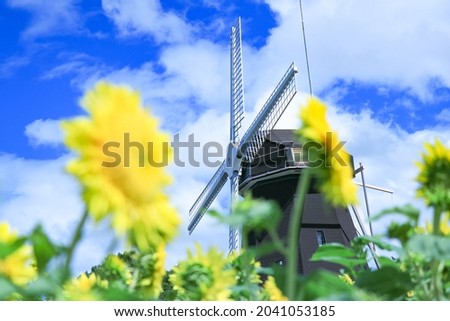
(332, 249)
(262, 249)
(361, 242)
(279, 274)
(44, 249)
(431, 247)
(386, 261)
(401, 231)
(7, 288)
(251, 214)
(366, 240)
(321, 285)
(115, 294)
(264, 271)
(388, 282)
(407, 210)
(318, 285)
(46, 287)
(41, 288)
(339, 254)
(8, 248)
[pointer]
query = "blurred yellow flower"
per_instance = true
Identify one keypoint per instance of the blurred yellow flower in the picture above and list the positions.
(121, 162)
(151, 267)
(434, 176)
(247, 271)
(444, 226)
(17, 265)
(246, 268)
(314, 118)
(271, 292)
(84, 287)
(346, 278)
(203, 276)
(333, 163)
(117, 269)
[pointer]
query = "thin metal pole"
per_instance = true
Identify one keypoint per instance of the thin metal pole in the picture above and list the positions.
(306, 47)
(376, 188)
(365, 198)
(363, 231)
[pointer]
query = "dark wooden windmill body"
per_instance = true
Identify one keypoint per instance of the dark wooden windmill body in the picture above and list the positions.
(274, 174)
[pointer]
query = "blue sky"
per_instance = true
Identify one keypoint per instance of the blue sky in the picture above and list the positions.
(382, 66)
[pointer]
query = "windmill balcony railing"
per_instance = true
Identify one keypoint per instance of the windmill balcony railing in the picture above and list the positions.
(276, 161)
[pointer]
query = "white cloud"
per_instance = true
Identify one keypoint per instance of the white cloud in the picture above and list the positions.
(397, 43)
(78, 66)
(136, 17)
(11, 64)
(203, 67)
(216, 4)
(345, 41)
(165, 95)
(444, 115)
(195, 76)
(44, 132)
(64, 69)
(48, 17)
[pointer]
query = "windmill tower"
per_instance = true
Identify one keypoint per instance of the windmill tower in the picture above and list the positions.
(243, 148)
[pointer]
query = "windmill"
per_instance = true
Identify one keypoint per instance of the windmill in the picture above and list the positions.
(245, 147)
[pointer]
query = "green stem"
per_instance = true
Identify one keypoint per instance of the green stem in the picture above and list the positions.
(436, 269)
(420, 279)
(75, 239)
(294, 231)
(436, 222)
(247, 258)
(244, 238)
(134, 280)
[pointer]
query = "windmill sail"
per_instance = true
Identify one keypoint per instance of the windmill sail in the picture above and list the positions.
(237, 83)
(250, 143)
(207, 196)
(269, 115)
(237, 109)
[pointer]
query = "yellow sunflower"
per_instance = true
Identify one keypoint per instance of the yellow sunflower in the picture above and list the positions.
(434, 176)
(203, 277)
(17, 265)
(116, 269)
(248, 280)
(271, 292)
(334, 168)
(84, 288)
(346, 278)
(314, 118)
(444, 226)
(246, 267)
(151, 267)
(121, 162)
